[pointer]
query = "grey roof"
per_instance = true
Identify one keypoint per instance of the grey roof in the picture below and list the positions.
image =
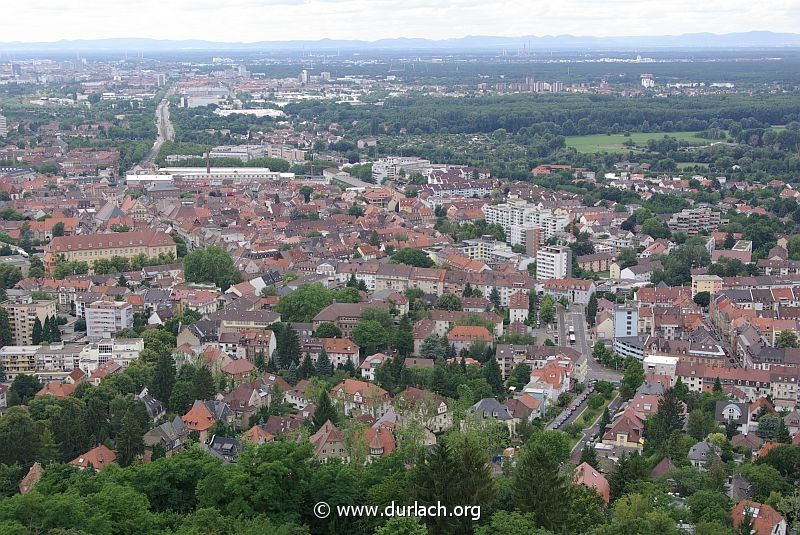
(744, 410)
(491, 408)
(154, 407)
(699, 451)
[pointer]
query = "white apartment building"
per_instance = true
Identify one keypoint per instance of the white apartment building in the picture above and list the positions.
(121, 350)
(18, 360)
(518, 217)
(553, 263)
(694, 220)
(55, 361)
(3, 126)
(389, 168)
(244, 153)
(105, 318)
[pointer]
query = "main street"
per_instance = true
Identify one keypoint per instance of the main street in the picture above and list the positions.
(165, 131)
(576, 317)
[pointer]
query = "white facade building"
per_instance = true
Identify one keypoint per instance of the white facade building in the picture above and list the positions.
(105, 318)
(553, 263)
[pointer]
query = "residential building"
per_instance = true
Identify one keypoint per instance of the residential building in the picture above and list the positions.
(91, 247)
(22, 316)
(706, 283)
(106, 318)
(553, 262)
(18, 360)
(765, 519)
(122, 351)
(358, 397)
(577, 291)
(694, 220)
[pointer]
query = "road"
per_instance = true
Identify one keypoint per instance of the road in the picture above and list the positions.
(576, 317)
(165, 131)
(594, 429)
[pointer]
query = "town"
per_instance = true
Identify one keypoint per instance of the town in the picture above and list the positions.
(236, 287)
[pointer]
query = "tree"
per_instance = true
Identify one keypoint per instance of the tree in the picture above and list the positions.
(782, 435)
(520, 376)
(589, 456)
(36, 269)
(370, 336)
(448, 301)
(628, 470)
(491, 372)
(700, 424)
(411, 257)
(403, 340)
(211, 265)
(22, 389)
(288, 347)
(632, 378)
(402, 526)
(36, 335)
(539, 486)
(324, 366)
(129, 441)
(605, 420)
(786, 339)
(768, 426)
(9, 276)
(55, 332)
(325, 411)
(20, 438)
(291, 377)
(667, 419)
(306, 192)
(494, 297)
(656, 228)
(58, 229)
(306, 368)
(547, 309)
(702, 299)
(327, 329)
(304, 303)
(591, 310)
(163, 377)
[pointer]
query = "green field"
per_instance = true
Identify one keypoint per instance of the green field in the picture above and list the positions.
(614, 142)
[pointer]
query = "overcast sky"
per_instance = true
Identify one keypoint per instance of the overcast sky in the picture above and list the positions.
(279, 20)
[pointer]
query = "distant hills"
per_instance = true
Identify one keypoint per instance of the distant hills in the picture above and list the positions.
(755, 39)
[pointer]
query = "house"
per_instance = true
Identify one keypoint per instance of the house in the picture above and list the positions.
(155, 409)
(225, 448)
(341, 351)
(380, 441)
(359, 397)
(204, 414)
(490, 408)
(370, 364)
(703, 453)
(525, 407)
(738, 488)
(626, 430)
(33, 476)
(171, 436)
(463, 336)
(257, 435)
(575, 290)
(428, 408)
(586, 475)
(729, 413)
(518, 305)
(328, 443)
(663, 468)
(238, 370)
(765, 519)
(97, 458)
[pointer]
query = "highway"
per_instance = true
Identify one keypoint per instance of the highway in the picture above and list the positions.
(165, 131)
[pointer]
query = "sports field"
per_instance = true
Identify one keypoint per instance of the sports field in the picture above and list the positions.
(615, 142)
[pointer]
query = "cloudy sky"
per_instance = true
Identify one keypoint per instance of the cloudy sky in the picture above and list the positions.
(268, 20)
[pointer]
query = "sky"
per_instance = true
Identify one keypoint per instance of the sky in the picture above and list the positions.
(281, 20)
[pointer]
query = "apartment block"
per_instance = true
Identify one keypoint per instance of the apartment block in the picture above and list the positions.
(88, 248)
(22, 316)
(694, 220)
(105, 318)
(3, 126)
(553, 263)
(123, 351)
(518, 218)
(18, 360)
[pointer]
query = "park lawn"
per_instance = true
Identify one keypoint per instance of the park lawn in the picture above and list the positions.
(614, 142)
